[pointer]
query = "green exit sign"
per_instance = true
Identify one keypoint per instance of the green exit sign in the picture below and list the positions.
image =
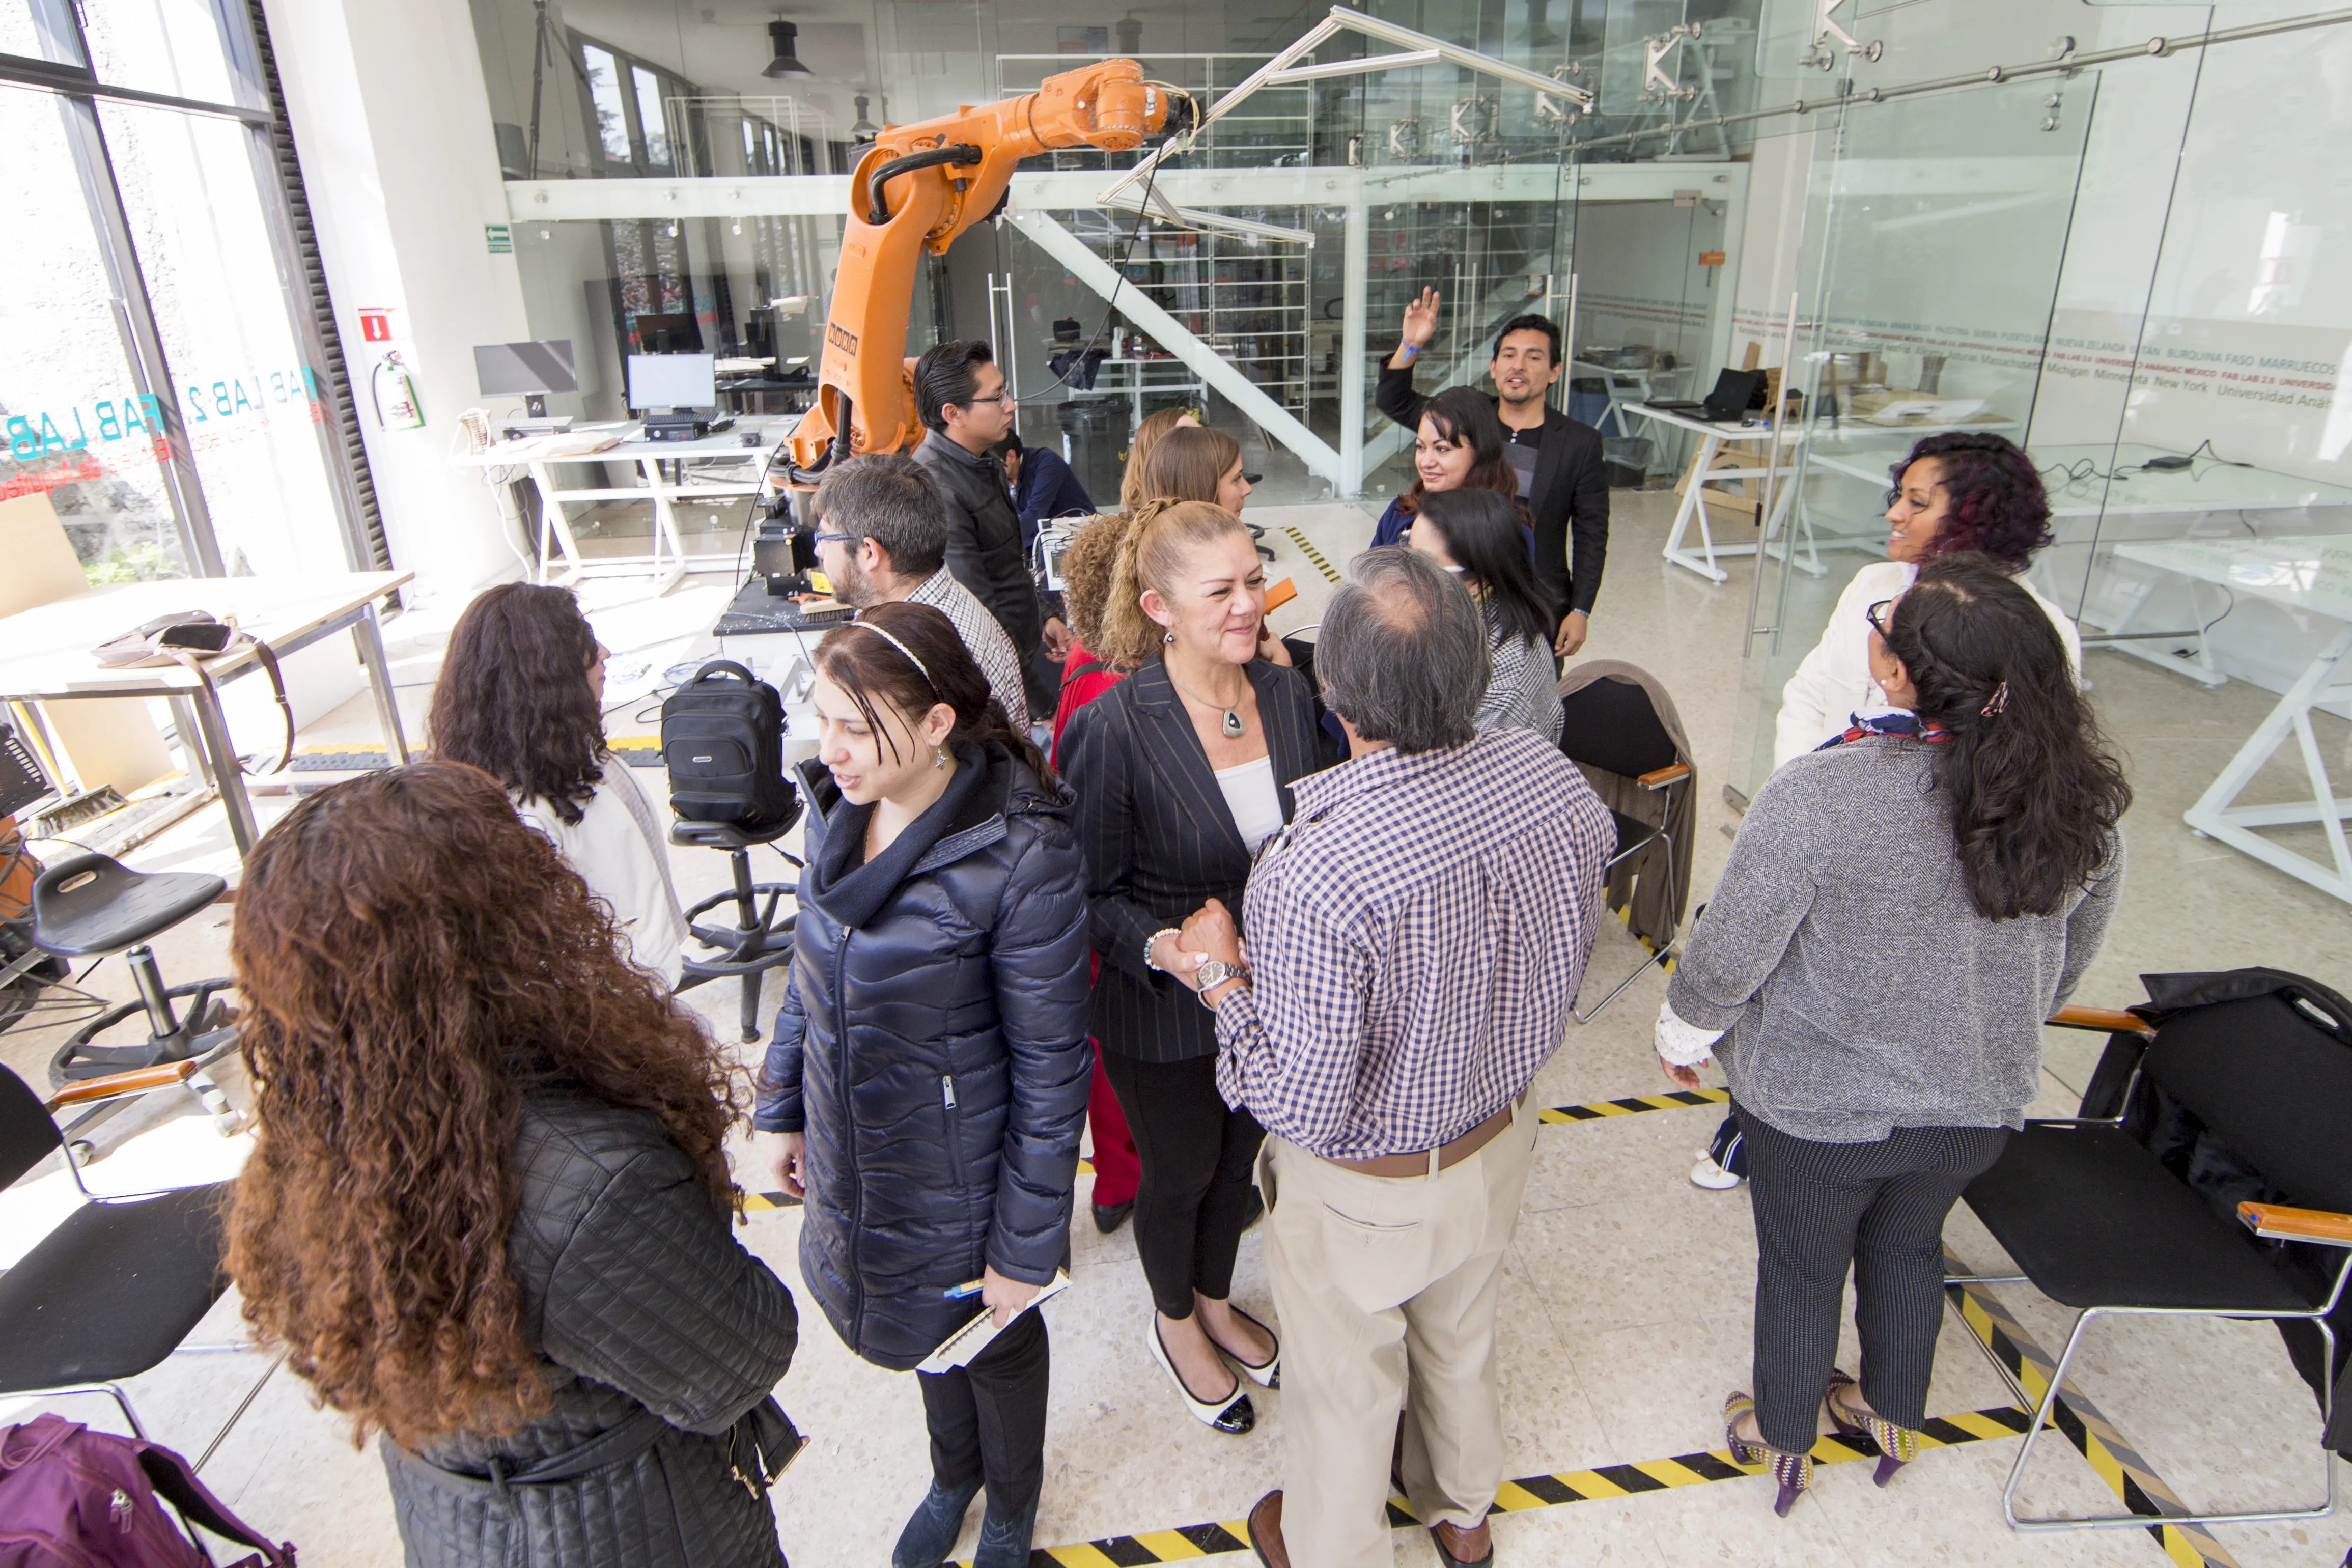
(500, 239)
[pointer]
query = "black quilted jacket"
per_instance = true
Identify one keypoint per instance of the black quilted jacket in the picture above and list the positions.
(935, 1055)
(637, 1293)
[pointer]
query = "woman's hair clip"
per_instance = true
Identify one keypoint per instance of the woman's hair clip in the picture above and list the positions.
(1996, 703)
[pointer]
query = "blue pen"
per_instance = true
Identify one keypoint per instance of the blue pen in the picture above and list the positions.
(956, 1292)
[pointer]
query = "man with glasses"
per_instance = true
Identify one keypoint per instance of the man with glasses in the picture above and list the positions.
(882, 537)
(967, 408)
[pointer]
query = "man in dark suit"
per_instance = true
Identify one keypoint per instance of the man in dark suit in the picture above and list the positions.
(1558, 461)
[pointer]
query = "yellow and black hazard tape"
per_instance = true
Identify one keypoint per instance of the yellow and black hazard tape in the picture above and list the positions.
(1633, 1104)
(2130, 1477)
(1329, 574)
(1534, 1491)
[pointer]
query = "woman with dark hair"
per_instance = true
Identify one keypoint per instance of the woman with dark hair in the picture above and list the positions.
(1877, 996)
(1476, 535)
(521, 698)
(1458, 445)
(489, 1213)
(929, 1073)
(1960, 491)
(1183, 769)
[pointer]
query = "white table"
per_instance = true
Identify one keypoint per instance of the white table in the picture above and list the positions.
(559, 551)
(2314, 576)
(1137, 384)
(46, 656)
(1714, 438)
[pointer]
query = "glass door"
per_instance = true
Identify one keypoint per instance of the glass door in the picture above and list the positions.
(1935, 230)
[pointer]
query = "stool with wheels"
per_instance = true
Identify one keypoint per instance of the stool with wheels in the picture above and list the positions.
(89, 905)
(758, 941)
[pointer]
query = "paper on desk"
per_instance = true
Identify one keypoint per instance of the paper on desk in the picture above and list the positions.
(961, 1348)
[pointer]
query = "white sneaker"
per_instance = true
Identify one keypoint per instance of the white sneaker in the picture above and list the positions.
(1713, 1177)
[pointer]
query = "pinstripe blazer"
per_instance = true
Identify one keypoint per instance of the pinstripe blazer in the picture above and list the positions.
(1159, 840)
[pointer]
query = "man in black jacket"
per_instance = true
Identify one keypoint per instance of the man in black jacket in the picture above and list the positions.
(1562, 480)
(962, 399)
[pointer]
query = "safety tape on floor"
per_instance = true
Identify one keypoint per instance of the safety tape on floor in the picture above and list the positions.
(1529, 1492)
(1320, 564)
(2117, 1463)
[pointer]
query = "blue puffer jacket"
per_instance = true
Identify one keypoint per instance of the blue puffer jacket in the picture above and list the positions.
(933, 1050)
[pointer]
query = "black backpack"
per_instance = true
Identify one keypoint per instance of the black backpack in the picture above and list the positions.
(722, 736)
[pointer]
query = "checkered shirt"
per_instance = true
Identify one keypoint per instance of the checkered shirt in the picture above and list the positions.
(983, 639)
(1417, 935)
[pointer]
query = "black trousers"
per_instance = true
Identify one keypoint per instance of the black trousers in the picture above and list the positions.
(988, 1420)
(1878, 1208)
(1193, 1198)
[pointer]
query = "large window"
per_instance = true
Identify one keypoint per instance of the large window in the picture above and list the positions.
(165, 374)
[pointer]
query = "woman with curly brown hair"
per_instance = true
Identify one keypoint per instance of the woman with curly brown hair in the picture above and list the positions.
(487, 1212)
(521, 698)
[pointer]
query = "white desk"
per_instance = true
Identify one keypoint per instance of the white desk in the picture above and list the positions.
(2309, 574)
(1714, 438)
(46, 656)
(560, 552)
(1137, 384)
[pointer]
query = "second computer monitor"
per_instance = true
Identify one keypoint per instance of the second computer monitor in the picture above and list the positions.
(673, 381)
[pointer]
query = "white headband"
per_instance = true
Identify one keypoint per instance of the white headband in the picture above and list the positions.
(902, 647)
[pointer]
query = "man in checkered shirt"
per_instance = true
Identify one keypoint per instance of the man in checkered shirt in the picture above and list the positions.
(1416, 938)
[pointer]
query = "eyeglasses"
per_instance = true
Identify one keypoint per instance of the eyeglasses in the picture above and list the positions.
(1876, 617)
(833, 538)
(992, 397)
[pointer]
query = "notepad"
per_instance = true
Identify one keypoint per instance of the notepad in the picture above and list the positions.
(961, 1348)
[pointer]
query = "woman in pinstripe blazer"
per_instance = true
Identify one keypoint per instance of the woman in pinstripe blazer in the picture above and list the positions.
(1181, 770)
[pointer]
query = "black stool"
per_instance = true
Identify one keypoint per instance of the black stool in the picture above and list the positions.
(757, 941)
(89, 905)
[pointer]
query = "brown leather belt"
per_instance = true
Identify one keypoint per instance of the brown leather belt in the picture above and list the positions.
(1448, 1154)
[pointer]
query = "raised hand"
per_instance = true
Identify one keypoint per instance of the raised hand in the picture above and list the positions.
(1421, 320)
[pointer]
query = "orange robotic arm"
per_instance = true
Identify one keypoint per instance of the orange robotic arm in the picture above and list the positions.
(916, 188)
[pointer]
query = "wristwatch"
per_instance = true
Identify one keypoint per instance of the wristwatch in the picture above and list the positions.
(1215, 973)
(1153, 941)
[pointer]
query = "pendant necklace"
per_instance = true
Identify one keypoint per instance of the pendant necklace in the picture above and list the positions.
(1229, 725)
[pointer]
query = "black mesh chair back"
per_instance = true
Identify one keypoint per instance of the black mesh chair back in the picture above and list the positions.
(2271, 1077)
(27, 1133)
(1610, 724)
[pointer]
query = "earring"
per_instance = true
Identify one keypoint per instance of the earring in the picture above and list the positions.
(940, 757)
(1168, 639)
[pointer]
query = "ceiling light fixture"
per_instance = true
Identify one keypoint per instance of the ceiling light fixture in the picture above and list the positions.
(787, 62)
(864, 130)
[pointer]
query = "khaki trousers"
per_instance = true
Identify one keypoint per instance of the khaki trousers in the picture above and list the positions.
(1386, 1289)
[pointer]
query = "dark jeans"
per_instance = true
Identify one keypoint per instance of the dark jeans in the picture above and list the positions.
(1879, 1208)
(988, 1420)
(1194, 1195)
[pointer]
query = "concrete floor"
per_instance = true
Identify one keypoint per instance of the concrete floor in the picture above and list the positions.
(1626, 1311)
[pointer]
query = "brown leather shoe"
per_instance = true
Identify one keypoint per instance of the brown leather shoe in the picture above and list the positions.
(1460, 1548)
(1265, 1531)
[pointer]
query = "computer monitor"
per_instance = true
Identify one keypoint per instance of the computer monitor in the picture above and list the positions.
(531, 369)
(673, 381)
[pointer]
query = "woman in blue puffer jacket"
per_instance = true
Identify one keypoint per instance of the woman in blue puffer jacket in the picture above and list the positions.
(929, 1075)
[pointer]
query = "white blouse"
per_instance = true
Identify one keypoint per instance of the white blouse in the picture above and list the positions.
(617, 848)
(1252, 798)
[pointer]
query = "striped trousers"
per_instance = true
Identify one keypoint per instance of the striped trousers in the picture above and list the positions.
(1878, 1208)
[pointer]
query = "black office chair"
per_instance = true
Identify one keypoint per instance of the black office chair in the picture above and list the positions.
(1610, 724)
(113, 1291)
(758, 941)
(2209, 1175)
(88, 905)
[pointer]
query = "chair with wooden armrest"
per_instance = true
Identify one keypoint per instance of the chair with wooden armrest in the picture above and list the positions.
(2097, 1212)
(1611, 725)
(115, 1288)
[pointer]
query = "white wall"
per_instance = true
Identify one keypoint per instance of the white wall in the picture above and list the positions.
(391, 119)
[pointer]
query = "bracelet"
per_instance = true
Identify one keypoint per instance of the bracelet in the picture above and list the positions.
(1149, 941)
(1408, 352)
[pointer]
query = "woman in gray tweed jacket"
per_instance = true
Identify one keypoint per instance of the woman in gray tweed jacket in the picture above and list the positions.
(1901, 911)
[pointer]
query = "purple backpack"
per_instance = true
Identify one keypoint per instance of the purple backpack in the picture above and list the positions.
(72, 1498)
